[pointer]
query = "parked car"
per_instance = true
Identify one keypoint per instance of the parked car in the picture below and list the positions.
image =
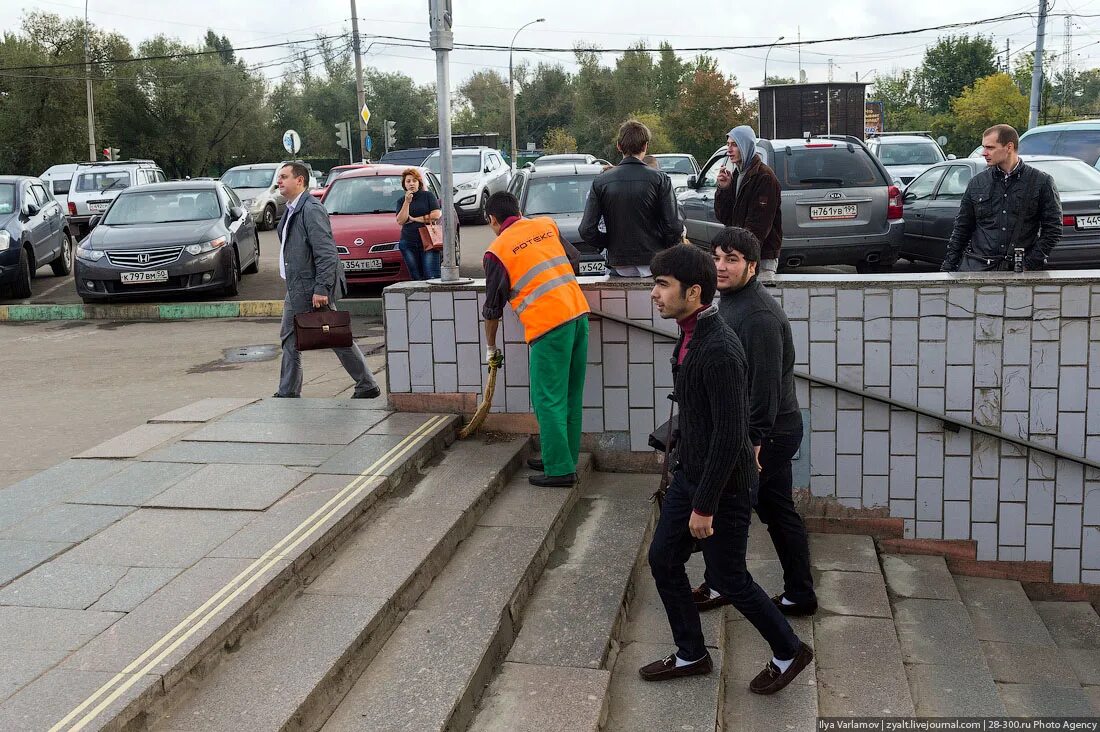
(479, 172)
(362, 209)
(1080, 139)
(414, 156)
(95, 185)
(906, 154)
(678, 166)
(560, 192)
(180, 238)
(32, 233)
(255, 185)
(932, 203)
(839, 204)
(59, 178)
(334, 173)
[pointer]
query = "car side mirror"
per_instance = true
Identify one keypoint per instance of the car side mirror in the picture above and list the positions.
(32, 208)
(237, 212)
(951, 156)
(93, 222)
(692, 180)
(910, 197)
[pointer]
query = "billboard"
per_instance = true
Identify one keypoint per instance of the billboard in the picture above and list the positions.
(874, 118)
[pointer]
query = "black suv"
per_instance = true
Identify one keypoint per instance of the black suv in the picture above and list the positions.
(33, 232)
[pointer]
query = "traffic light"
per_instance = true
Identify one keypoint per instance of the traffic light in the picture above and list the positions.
(342, 135)
(391, 134)
(111, 153)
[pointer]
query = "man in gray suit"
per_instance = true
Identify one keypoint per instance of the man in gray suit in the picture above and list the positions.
(314, 279)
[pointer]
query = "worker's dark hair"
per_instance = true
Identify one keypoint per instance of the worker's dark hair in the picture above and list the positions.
(735, 239)
(690, 266)
(1005, 134)
(297, 170)
(502, 205)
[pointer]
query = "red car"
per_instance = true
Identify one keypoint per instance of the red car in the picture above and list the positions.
(333, 173)
(362, 208)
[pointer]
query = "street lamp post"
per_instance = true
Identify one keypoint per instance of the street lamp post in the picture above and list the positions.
(866, 73)
(512, 88)
(88, 89)
(769, 53)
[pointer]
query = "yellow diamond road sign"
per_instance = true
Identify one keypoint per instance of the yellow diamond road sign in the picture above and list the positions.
(365, 114)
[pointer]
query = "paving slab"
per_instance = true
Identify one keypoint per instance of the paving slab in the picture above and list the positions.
(878, 689)
(1071, 624)
(794, 709)
(1093, 694)
(153, 537)
(401, 423)
(62, 585)
(293, 653)
(51, 697)
(915, 575)
(18, 557)
(937, 632)
(519, 504)
(1031, 700)
(230, 487)
(274, 413)
(329, 403)
(852, 593)
(52, 486)
(136, 441)
(628, 486)
(747, 652)
(134, 484)
(1016, 663)
(136, 586)
(277, 432)
(1001, 611)
(1085, 663)
(362, 455)
(203, 410)
(66, 523)
(648, 622)
(953, 691)
(20, 669)
(844, 553)
(689, 704)
(760, 546)
(470, 471)
(843, 641)
(530, 698)
(44, 628)
(251, 454)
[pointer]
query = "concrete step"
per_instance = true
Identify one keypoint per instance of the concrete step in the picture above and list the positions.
(946, 668)
(1075, 628)
(555, 676)
(296, 666)
(432, 671)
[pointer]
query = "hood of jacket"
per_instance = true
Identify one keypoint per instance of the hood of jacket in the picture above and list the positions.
(745, 139)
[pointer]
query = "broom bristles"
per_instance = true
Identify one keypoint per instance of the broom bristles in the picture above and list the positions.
(482, 410)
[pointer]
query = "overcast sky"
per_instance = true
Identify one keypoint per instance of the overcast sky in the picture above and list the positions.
(609, 23)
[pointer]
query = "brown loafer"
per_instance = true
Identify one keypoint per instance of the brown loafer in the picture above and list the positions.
(799, 609)
(666, 668)
(703, 601)
(771, 679)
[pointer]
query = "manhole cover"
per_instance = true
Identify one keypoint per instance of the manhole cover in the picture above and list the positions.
(246, 354)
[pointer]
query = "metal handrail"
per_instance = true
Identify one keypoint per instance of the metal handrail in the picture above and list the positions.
(854, 391)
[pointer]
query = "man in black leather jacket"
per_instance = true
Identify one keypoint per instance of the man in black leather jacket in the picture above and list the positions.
(636, 204)
(1009, 205)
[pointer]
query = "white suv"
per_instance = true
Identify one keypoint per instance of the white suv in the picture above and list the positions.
(96, 185)
(479, 172)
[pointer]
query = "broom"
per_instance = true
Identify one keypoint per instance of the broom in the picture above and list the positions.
(482, 411)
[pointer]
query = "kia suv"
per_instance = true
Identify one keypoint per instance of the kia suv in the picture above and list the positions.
(479, 172)
(839, 204)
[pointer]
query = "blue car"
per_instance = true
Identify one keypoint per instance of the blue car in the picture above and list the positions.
(33, 233)
(1079, 140)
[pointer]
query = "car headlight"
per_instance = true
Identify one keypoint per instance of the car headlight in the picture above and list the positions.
(208, 246)
(89, 255)
(5, 240)
(468, 186)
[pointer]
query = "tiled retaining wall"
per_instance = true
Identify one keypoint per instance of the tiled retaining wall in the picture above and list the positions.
(1019, 355)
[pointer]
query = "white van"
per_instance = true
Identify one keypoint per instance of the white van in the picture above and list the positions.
(59, 178)
(96, 185)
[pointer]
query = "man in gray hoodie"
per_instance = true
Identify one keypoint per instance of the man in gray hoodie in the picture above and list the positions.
(749, 196)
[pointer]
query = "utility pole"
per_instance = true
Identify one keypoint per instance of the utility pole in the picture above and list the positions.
(1067, 64)
(1008, 53)
(359, 82)
(799, 54)
(1037, 67)
(442, 40)
(88, 88)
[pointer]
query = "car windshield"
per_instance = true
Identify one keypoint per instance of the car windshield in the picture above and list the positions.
(249, 177)
(7, 198)
(563, 195)
(162, 207)
(1071, 176)
(462, 163)
(680, 164)
(910, 153)
(364, 195)
(831, 166)
(103, 180)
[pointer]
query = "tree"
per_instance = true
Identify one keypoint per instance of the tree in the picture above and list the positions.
(776, 80)
(659, 140)
(559, 141)
(992, 100)
(545, 102)
(707, 106)
(670, 73)
(593, 116)
(634, 81)
(951, 65)
(485, 99)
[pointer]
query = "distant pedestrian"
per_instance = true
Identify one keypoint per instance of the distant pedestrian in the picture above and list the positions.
(1010, 217)
(749, 196)
(532, 267)
(416, 209)
(314, 276)
(637, 207)
(775, 421)
(708, 498)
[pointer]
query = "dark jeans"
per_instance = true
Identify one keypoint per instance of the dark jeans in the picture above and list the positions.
(422, 265)
(775, 507)
(724, 552)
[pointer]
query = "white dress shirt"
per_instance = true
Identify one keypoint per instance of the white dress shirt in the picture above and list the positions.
(282, 236)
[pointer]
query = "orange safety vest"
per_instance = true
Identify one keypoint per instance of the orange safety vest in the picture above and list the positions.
(544, 291)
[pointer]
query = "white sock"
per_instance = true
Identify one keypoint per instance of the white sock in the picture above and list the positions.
(785, 601)
(781, 665)
(681, 662)
(715, 594)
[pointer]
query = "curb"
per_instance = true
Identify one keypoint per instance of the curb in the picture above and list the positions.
(172, 311)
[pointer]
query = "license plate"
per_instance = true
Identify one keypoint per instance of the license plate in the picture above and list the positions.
(594, 268)
(99, 207)
(832, 213)
(361, 265)
(156, 275)
(1088, 222)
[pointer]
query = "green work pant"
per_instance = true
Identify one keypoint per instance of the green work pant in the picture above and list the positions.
(557, 393)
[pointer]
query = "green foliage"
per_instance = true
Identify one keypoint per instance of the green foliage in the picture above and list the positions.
(707, 107)
(558, 141)
(951, 65)
(659, 139)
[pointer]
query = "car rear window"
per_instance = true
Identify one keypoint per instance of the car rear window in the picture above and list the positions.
(910, 153)
(1071, 176)
(564, 195)
(463, 163)
(249, 178)
(1081, 144)
(826, 167)
(103, 180)
(675, 165)
(61, 186)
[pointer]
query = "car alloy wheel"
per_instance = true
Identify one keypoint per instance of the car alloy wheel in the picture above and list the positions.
(269, 218)
(63, 265)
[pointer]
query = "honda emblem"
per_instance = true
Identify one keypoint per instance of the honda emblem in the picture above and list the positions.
(143, 258)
